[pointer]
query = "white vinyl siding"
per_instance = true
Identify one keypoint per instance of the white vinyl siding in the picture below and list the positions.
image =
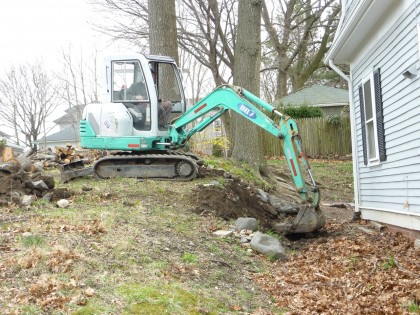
(395, 183)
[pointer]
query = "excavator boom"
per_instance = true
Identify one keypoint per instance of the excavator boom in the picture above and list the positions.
(239, 100)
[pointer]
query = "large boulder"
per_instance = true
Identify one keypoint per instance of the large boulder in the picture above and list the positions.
(268, 245)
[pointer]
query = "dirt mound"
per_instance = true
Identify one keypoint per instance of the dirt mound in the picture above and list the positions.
(233, 200)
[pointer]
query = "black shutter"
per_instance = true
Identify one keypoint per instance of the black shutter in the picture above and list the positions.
(379, 115)
(362, 118)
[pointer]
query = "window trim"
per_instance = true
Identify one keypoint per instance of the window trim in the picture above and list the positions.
(370, 77)
(113, 62)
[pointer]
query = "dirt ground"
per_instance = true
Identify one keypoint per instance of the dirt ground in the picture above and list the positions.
(239, 199)
(347, 267)
(88, 259)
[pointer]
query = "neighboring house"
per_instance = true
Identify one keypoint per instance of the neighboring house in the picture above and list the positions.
(331, 101)
(69, 130)
(380, 40)
(11, 143)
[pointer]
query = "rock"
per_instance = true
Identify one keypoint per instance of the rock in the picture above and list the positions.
(417, 243)
(262, 195)
(48, 196)
(63, 203)
(366, 230)
(212, 183)
(28, 151)
(283, 206)
(268, 245)
(11, 167)
(15, 197)
(377, 225)
(227, 175)
(27, 234)
(281, 179)
(48, 180)
(287, 186)
(222, 233)
(39, 166)
(308, 220)
(25, 163)
(40, 184)
(27, 200)
(282, 227)
(87, 188)
(246, 224)
(335, 205)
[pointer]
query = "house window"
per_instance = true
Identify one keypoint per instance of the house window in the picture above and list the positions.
(370, 123)
(371, 113)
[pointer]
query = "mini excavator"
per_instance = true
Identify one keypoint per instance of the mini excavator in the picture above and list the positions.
(135, 121)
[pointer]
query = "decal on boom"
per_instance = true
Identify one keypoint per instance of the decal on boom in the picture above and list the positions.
(247, 111)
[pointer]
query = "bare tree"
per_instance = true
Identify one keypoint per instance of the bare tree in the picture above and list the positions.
(78, 81)
(299, 34)
(125, 20)
(207, 30)
(162, 28)
(247, 144)
(27, 97)
(197, 81)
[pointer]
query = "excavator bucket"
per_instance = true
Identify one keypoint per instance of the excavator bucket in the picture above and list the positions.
(73, 170)
(308, 219)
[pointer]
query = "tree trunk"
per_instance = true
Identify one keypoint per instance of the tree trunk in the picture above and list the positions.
(162, 28)
(247, 142)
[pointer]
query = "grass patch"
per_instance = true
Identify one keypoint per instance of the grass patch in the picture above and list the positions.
(190, 258)
(32, 241)
(90, 309)
(389, 264)
(167, 299)
(242, 170)
(413, 308)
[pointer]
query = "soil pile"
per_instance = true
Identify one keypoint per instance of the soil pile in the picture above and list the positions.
(233, 200)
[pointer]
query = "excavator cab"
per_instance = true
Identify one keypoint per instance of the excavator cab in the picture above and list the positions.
(142, 94)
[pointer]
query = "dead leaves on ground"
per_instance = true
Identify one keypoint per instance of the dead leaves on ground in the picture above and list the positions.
(355, 273)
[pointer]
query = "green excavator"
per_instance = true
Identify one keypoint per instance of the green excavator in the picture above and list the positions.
(143, 118)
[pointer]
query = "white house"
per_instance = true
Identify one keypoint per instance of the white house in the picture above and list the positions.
(380, 41)
(69, 130)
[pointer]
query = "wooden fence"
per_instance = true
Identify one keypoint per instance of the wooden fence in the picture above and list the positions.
(319, 138)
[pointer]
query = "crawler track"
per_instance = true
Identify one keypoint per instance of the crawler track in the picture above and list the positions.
(172, 167)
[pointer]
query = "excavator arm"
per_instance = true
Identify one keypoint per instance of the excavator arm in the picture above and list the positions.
(239, 100)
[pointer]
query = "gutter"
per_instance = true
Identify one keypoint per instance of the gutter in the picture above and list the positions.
(356, 185)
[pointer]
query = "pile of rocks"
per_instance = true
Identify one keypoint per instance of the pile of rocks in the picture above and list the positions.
(22, 180)
(245, 229)
(22, 187)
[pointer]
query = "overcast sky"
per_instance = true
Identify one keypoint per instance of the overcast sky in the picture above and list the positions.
(33, 29)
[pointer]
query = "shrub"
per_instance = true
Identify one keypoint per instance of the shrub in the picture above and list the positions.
(335, 120)
(303, 111)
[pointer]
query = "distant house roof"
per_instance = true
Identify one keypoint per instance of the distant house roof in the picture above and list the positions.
(69, 134)
(9, 142)
(4, 135)
(317, 95)
(72, 114)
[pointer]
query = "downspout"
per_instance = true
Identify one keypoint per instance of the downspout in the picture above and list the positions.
(356, 215)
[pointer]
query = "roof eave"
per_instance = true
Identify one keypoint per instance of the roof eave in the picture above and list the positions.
(354, 31)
